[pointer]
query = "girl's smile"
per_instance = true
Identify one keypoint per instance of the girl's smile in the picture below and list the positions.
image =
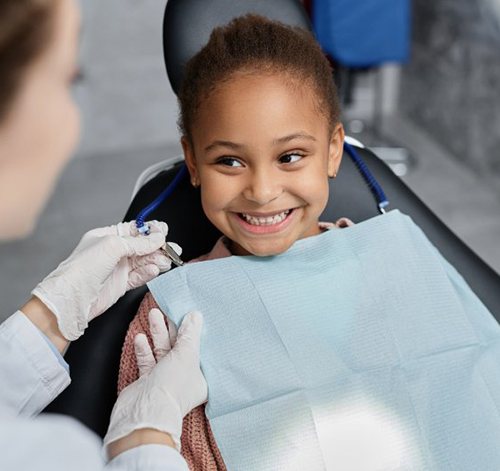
(262, 152)
(261, 223)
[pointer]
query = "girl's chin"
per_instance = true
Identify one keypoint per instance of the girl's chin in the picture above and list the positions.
(260, 249)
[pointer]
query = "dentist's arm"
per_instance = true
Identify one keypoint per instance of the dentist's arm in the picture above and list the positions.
(106, 263)
(147, 419)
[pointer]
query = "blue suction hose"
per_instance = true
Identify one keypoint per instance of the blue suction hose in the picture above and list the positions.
(375, 188)
(142, 227)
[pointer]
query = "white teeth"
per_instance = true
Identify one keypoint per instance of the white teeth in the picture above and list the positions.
(267, 221)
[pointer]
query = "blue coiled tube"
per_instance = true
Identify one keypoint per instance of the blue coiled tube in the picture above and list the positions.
(139, 222)
(375, 188)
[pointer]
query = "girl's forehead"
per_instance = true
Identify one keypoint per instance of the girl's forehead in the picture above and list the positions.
(264, 91)
(258, 108)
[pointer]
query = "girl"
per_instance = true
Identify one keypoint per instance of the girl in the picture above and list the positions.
(259, 118)
(387, 346)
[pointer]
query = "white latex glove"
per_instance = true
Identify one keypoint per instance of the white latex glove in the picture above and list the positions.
(168, 388)
(164, 337)
(107, 263)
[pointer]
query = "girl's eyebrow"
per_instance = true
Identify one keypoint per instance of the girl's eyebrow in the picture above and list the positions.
(291, 137)
(231, 145)
(279, 140)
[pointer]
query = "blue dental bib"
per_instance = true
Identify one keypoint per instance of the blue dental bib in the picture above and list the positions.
(357, 349)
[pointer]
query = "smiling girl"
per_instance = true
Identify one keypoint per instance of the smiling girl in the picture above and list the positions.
(354, 349)
(259, 118)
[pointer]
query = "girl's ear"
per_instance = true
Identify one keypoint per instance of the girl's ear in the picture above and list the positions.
(336, 150)
(189, 157)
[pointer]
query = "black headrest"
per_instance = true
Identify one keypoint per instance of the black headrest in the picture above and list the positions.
(187, 25)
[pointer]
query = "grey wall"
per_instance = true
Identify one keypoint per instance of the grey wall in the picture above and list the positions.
(451, 87)
(125, 96)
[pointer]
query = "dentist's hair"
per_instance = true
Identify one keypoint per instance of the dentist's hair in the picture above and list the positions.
(26, 27)
(252, 44)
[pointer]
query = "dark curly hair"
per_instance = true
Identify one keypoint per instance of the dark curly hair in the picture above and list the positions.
(25, 31)
(254, 44)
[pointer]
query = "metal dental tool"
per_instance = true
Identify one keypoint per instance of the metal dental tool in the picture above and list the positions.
(171, 254)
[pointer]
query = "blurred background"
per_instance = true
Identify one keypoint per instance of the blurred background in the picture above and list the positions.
(434, 116)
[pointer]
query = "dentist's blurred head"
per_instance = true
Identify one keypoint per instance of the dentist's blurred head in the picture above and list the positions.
(39, 121)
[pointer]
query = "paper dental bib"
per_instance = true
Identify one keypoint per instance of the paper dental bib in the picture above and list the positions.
(357, 349)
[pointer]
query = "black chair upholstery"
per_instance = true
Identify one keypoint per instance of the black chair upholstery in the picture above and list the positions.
(94, 358)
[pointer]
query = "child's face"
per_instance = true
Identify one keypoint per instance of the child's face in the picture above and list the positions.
(262, 153)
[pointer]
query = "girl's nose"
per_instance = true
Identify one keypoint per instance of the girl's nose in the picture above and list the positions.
(263, 188)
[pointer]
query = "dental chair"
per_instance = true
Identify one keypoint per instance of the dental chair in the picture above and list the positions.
(94, 358)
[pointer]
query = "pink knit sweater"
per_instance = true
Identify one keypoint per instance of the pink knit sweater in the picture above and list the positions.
(198, 445)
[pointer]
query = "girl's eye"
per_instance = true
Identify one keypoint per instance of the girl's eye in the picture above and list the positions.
(229, 162)
(290, 158)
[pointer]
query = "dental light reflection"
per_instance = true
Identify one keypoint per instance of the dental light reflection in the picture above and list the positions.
(366, 437)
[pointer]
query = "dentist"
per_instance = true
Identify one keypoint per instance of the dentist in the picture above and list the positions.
(39, 128)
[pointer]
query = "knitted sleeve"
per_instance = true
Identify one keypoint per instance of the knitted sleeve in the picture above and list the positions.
(198, 445)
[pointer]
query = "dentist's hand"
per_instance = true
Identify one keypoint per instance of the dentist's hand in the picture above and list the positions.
(170, 385)
(104, 266)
